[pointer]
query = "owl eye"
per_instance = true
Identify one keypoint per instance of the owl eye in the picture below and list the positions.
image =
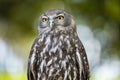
(60, 17)
(45, 19)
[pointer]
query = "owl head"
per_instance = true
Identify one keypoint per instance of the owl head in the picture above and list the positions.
(56, 20)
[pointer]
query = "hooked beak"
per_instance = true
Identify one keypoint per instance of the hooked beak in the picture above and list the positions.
(51, 24)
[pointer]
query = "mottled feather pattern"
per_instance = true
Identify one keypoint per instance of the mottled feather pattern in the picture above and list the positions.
(58, 54)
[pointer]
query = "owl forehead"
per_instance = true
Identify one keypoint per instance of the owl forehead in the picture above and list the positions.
(51, 15)
(54, 13)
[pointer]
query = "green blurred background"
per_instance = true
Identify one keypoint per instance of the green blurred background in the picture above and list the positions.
(98, 26)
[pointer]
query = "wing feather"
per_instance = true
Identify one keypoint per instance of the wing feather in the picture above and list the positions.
(82, 60)
(30, 72)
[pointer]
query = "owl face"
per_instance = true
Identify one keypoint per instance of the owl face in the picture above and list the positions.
(55, 20)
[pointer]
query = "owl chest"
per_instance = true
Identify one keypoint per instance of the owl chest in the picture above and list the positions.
(56, 58)
(55, 47)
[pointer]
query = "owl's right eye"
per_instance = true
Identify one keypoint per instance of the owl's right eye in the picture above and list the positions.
(44, 19)
(60, 17)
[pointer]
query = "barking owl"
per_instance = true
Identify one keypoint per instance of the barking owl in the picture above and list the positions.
(57, 52)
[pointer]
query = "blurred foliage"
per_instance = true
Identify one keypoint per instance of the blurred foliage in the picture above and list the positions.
(6, 76)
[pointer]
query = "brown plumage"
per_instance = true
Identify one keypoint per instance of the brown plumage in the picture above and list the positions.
(57, 53)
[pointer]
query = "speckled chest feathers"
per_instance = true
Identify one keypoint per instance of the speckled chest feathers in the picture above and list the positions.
(55, 56)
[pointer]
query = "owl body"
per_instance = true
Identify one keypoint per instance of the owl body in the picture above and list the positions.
(57, 53)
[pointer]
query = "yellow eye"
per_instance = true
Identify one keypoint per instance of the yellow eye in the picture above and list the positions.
(44, 19)
(60, 17)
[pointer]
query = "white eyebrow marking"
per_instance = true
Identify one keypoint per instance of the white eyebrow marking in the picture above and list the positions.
(60, 14)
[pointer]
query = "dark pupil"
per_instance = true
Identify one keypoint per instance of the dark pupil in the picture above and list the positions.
(44, 19)
(59, 17)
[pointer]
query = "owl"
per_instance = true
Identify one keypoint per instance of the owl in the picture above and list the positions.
(57, 53)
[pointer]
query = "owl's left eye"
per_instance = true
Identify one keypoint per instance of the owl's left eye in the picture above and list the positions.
(44, 19)
(60, 17)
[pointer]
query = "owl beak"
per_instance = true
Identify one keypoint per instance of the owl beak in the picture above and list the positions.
(51, 24)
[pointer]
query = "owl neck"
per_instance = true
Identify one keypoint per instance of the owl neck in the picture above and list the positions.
(58, 32)
(53, 38)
